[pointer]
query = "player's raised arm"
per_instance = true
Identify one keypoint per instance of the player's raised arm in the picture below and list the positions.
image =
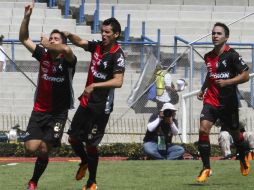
(52, 45)
(24, 32)
(76, 40)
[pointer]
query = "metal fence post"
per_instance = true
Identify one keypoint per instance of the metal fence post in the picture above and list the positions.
(175, 53)
(81, 12)
(13, 55)
(142, 53)
(67, 8)
(251, 82)
(113, 11)
(158, 43)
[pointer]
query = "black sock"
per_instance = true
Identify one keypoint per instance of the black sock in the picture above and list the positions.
(204, 148)
(240, 147)
(40, 166)
(93, 159)
(79, 150)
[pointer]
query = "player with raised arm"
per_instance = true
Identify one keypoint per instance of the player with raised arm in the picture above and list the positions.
(105, 73)
(53, 97)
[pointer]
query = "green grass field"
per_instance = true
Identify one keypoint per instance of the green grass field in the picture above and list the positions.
(132, 175)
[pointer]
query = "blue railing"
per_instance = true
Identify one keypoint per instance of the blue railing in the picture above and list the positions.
(15, 42)
(251, 45)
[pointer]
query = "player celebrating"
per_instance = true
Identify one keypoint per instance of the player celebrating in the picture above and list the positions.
(96, 103)
(54, 94)
(225, 69)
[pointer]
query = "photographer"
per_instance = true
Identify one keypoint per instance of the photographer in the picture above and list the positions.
(160, 130)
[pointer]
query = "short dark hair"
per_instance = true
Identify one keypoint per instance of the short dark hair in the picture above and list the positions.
(64, 39)
(224, 26)
(116, 27)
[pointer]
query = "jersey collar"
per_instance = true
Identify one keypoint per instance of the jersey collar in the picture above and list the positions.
(114, 48)
(226, 49)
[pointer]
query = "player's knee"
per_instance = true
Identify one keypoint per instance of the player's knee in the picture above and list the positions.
(31, 146)
(44, 149)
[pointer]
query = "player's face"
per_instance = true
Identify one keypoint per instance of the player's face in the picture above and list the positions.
(107, 35)
(218, 36)
(55, 38)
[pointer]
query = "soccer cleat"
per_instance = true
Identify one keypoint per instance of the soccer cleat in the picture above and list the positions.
(92, 186)
(31, 185)
(81, 171)
(245, 165)
(204, 174)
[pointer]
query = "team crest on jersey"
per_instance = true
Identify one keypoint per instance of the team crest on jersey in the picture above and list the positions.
(46, 63)
(44, 70)
(96, 55)
(54, 69)
(217, 65)
(241, 60)
(60, 67)
(224, 63)
(105, 64)
(120, 61)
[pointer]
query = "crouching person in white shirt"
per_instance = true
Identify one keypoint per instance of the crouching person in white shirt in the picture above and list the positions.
(161, 128)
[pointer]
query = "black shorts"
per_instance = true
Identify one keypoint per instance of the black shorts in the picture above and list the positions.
(88, 126)
(229, 117)
(47, 127)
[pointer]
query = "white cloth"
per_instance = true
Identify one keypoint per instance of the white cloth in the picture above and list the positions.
(180, 85)
(165, 96)
(2, 59)
(226, 140)
(152, 125)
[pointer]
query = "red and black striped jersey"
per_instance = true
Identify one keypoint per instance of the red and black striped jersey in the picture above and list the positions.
(226, 66)
(54, 91)
(101, 69)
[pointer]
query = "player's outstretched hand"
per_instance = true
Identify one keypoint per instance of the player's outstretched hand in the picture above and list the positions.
(28, 10)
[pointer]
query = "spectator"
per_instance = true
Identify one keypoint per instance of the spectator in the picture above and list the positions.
(54, 94)
(226, 141)
(161, 128)
(106, 73)
(2, 56)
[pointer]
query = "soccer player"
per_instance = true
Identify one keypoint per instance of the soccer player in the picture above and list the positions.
(105, 73)
(53, 97)
(225, 69)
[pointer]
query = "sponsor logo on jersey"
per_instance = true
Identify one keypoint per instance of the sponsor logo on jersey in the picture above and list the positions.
(52, 79)
(223, 75)
(98, 74)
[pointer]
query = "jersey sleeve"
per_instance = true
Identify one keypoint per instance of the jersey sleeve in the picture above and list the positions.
(73, 63)
(38, 52)
(239, 63)
(91, 46)
(119, 62)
